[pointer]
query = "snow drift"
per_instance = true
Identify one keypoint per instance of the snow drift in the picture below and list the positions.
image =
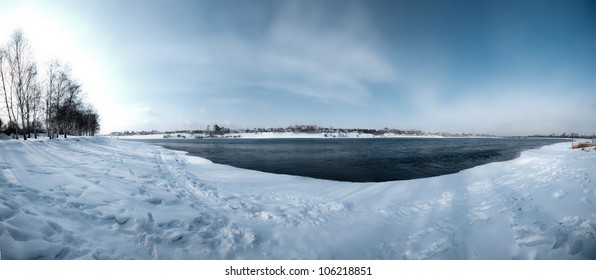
(97, 198)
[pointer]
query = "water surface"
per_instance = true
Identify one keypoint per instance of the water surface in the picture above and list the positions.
(356, 160)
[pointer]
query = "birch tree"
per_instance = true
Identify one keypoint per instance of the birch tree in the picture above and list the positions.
(57, 77)
(6, 89)
(23, 76)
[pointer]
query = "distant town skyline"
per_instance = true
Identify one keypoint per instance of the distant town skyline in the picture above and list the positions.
(494, 67)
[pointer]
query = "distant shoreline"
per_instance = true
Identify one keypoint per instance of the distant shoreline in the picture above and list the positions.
(292, 132)
(294, 135)
(282, 135)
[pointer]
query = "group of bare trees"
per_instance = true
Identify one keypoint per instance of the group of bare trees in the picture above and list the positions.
(34, 102)
(65, 112)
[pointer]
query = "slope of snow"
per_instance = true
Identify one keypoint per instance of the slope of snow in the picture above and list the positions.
(98, 198)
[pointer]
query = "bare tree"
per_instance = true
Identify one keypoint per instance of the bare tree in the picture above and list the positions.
(23, 72)
(57, 75)
(32, 92)
(36, 109)
(64, 83)
(71, 105)
(50, 84)
(7, 88)
(59, 88)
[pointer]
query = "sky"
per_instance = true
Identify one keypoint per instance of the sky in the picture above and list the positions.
(498, 67)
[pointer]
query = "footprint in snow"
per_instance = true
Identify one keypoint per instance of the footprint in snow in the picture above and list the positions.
(559, 194)
(154, 201)
(576, 247)
(561, 238)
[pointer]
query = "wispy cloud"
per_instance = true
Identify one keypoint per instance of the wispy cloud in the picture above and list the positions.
(293, 56)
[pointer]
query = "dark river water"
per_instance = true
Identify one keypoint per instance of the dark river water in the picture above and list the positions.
(356, 160)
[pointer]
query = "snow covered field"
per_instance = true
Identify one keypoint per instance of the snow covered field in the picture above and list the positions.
(98, 198)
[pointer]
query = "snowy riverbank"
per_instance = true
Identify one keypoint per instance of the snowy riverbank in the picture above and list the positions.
(98, 198)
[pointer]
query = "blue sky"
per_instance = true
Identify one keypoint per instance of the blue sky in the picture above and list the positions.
(501, 67)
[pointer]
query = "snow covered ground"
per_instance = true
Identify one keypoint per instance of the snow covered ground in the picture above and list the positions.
(99, 198)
